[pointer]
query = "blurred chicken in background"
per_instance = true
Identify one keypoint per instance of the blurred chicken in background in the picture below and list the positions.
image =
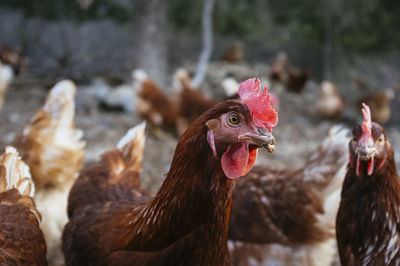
(53, 148)
(191, 103)
(282, 70)
(234, 53)
(330, 104)
(6, 76)
(379, 103)
(12, 57)
(113, 97)
(153, 104)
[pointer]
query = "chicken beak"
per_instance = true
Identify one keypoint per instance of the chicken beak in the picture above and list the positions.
(262, 138)
(365, 151)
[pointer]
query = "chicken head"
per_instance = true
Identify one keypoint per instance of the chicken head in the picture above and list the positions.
(369, 146)
(235, 135)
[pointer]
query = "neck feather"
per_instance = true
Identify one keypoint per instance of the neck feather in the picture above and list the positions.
(195, 198)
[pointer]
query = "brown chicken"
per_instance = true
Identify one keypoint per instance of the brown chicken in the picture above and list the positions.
(330, 103)
(379, 102)
(234, 53)
(21, 240)
(53, 148)
(287, 217)
(368, 221)
(153, 105)
(12, 57)
(112, 220)
(293, 78)
(191, 103)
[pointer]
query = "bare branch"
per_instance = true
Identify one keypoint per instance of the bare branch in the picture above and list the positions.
(207, 43)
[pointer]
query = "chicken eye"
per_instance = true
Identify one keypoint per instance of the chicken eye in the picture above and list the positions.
(380, 140)
(233, 120)
(354, 139)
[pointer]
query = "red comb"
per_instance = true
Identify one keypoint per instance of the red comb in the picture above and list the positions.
(259, 103)
(367, 124)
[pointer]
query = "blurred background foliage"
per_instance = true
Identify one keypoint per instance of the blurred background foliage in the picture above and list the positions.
(359, 26)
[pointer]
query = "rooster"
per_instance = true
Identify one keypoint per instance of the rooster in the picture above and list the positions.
(6, 76)
(21, 240)
(368, 221)
(113, 221)
(287, 217)
(52, 147)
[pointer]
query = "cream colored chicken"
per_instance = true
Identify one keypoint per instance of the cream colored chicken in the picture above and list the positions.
(53, 148)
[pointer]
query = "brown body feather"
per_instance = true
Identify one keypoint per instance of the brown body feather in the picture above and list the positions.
(21, 240)
(286, 216)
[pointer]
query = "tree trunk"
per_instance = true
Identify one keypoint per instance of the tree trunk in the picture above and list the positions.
(150, 46)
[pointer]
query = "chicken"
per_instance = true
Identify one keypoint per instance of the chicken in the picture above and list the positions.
(53, 148)
(113, 221)
(293, 78)
(287, 216)
(12, 57)
(330, 103)
(6, 76)
(230, 86)
(21, 240)
(191, 103)
(176, 112)
(112, 97)
(85, 4)
(234, 53)
(379, 102)
(367, 225)
(153, 105)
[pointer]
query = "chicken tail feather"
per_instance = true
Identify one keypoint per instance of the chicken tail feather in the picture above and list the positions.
(16, 184)
(14, 173)
(132, 145)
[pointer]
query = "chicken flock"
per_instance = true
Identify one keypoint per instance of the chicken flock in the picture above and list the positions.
(215, 206)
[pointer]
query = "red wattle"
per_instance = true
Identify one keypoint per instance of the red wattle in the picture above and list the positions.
(371, 164)
(251, 161)
(238, 160)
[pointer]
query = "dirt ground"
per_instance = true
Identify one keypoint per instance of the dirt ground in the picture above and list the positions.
(299, 132)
